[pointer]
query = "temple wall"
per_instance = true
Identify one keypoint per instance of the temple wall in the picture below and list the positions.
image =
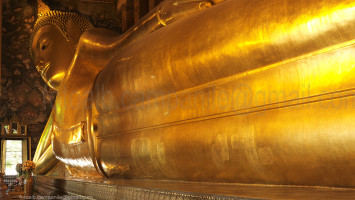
(24, 93)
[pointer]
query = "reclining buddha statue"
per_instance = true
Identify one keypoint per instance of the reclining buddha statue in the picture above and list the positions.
(245, 91)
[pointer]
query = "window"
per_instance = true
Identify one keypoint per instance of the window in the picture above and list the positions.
(14, 151)
(6, 129)
(14, 128)
(13, 155)
(23, 130)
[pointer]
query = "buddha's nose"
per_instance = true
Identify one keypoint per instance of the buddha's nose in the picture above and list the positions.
(39, 66)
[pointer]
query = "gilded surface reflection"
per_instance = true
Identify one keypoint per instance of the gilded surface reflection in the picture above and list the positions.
(240, 91)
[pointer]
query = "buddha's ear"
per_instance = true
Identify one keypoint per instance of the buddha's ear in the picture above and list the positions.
(73, 32)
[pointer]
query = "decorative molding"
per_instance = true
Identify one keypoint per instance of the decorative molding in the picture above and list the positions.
(49, 186)
(13, 127)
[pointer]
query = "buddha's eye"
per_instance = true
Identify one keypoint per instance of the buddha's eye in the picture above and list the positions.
(44, 45)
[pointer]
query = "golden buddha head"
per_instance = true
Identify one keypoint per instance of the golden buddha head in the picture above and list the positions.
(53, 43)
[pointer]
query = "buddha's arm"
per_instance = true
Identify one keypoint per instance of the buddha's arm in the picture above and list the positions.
(165, 13)
(99, 46)
(44, 157)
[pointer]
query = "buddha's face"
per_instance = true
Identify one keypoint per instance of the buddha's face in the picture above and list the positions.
(52, 54)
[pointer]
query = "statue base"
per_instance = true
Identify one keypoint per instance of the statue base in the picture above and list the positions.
(164, 189)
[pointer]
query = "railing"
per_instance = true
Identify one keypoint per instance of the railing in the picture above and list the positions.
(8, 179)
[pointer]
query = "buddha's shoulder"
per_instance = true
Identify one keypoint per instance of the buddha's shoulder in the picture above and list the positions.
(98, 36)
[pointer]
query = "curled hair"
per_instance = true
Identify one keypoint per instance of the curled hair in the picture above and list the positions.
(60, 19)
